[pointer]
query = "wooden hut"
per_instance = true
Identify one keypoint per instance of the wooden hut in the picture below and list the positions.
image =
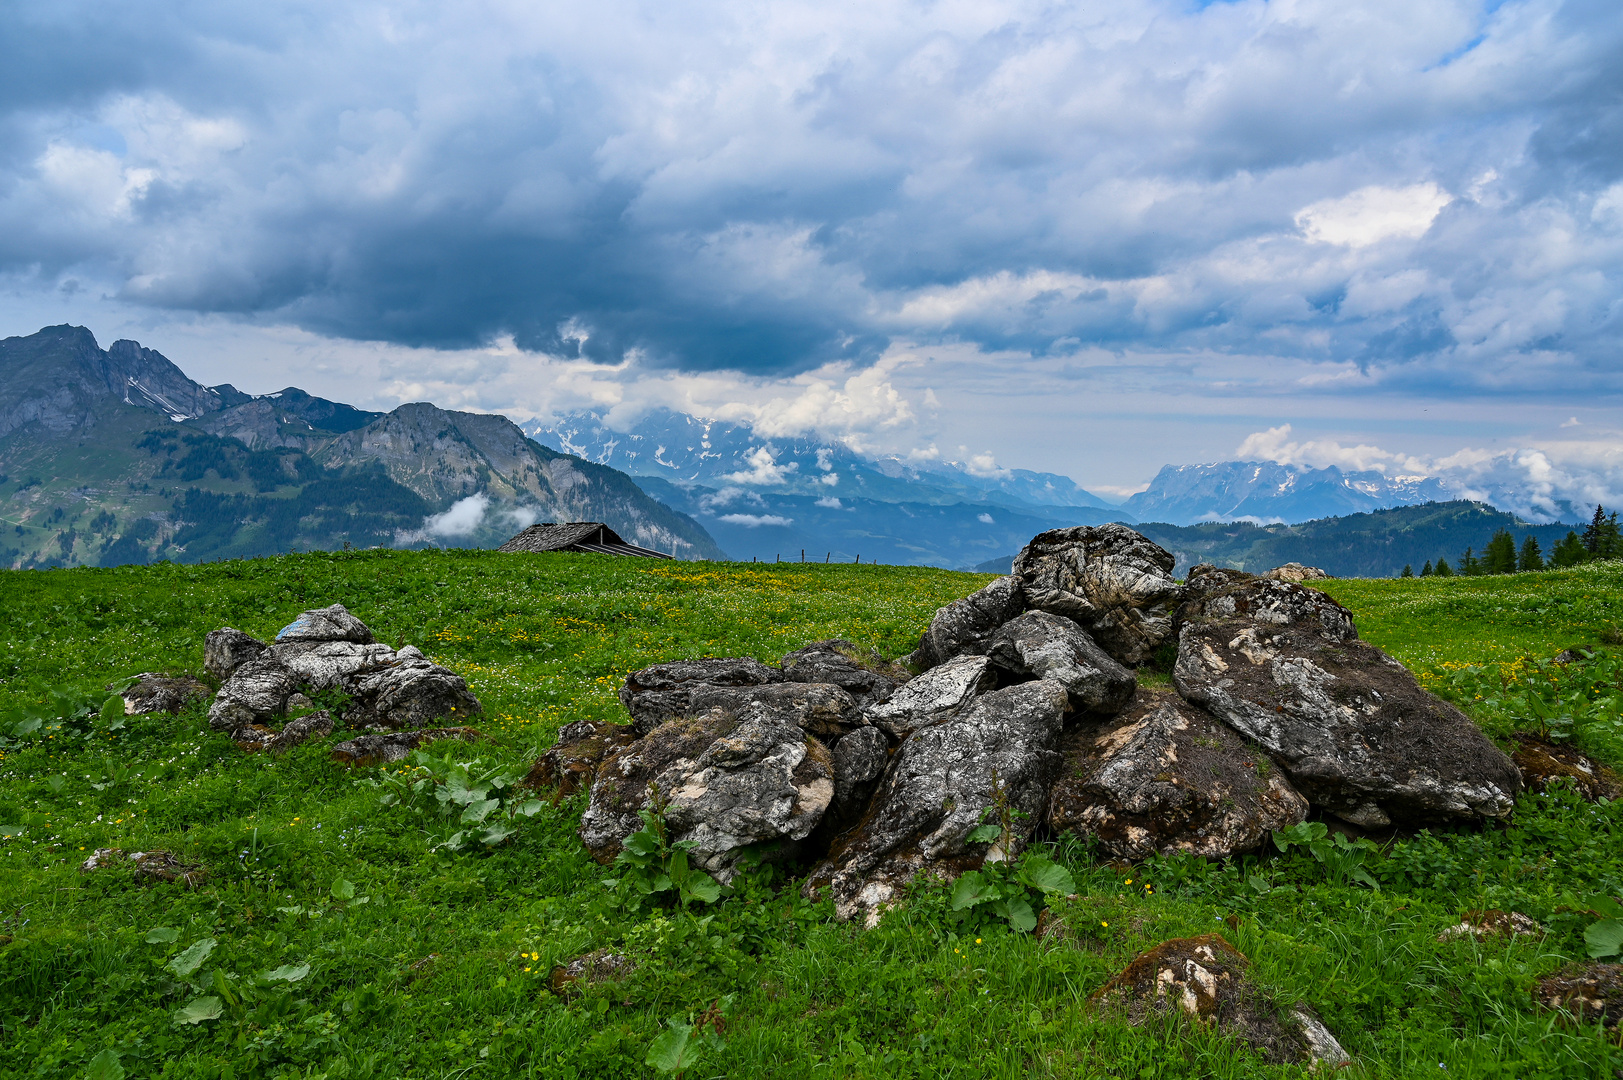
(591, 536)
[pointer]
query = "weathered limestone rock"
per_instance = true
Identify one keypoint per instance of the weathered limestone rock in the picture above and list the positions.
(1204, 579)
(764, 780)
(822, 709)
(225, 650)
(1205, 979)
(936, 789)
(148, 866)
(933, 696)
(664, 692)
(1353, 730)
(841, 663)
(1168, 777)
(1491, 924)
(333, 623)
(572, 762)
(592, 969)
(859, 760)
(1294, 571)
(323, 665)
(154, 693)
(726, 781)
(1590, 993)
(383, 748)
(411, 692)
(1108, 578)
(620, 791)
(316, 725)
(1045, 646)
(965, 627)
(1542, 763)
(256, 693)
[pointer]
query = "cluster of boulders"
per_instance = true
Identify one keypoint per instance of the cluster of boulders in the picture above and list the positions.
(1026, 695)
(267, 697)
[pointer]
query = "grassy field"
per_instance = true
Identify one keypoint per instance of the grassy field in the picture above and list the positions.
(343, 946)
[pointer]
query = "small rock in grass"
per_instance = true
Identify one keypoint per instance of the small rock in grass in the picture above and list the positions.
(1487, 924)
(149, 866)
(1205, 979)
(1541, 763)
(155, 693)
(316, 725)
(1168, 777)
(1590, 993)
(572, 762)
(599, 966)
(383, 748)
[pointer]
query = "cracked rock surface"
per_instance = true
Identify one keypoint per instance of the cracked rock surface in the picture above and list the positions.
(1355, 732)
(1114, 582)
(1039, 645)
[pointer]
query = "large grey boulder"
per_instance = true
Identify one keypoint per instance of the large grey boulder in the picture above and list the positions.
(323, 665)
(1115, 583)
(1356, 734)
(1040, 645)
(1167, 777)
(664, 692)
(842, 664)
(765, 780)
(256, 693)
(227, 649)
(938, 787)
(822, 709)
(965, 627)
(859, 760)
(933, 696)
(410, 692)
(333, 623)
(725, 782)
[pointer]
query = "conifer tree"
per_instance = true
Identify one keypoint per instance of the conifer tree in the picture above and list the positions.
(1425, 571)
(1531, 558)
(1408, 571)
(1592, 535)
(1499, 557)
(1469, 565)
(1569, 552)
(1609, 544)
(1442, 569)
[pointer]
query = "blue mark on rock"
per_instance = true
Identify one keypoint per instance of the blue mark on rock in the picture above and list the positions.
(301, 623)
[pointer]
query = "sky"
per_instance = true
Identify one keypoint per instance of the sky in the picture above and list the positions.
(1087, 238)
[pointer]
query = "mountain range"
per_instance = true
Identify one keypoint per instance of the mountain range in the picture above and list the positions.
(117, 456)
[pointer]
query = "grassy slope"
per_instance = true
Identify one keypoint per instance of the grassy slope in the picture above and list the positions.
(545, 640)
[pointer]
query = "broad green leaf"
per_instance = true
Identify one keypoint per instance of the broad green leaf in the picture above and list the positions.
(26, 727)
(199, 1009)
(1047, 875)
(1604, 905)
(56, 784)
(641, 842)
(105, 1066)
(971, 889)
(984, 834)
(162, 935)
(496, 833)
(677, 868)
(291, 973)
(529, 808)
(702, 886)
(477, 812)
(672, 1049)
(191, 958)
(343, 890)
(1021, 917)
(1605, 938)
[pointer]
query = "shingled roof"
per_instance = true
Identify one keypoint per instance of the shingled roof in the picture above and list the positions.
(577, 536)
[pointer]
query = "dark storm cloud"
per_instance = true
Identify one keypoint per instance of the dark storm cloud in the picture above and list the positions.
(1418, 188)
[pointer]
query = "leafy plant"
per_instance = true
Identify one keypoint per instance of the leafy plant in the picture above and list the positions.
(1003, 888)
(1604, 937)
(1343, 859)
(679, 1046)
(468, 802)
(653, 866)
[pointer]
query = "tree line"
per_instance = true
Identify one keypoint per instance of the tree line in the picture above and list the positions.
(1601, 539)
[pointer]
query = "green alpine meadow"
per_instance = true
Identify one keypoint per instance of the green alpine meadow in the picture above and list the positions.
(304, 918)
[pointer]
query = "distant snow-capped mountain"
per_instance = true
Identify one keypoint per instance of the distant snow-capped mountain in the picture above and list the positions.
(687, 449)
(1265, 491)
